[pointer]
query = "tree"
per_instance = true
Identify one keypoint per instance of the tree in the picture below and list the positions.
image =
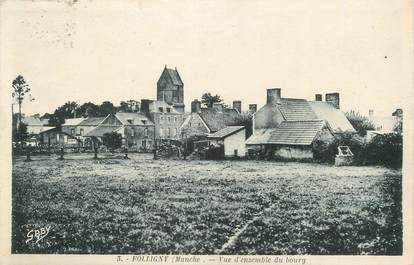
(106, 108)
(22, 133)
(359, 122)
(112, 140)
(208, 100)
(20, 89)
(246, 121)
(63, 112)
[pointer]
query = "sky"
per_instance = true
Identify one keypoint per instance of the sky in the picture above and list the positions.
(90, 50)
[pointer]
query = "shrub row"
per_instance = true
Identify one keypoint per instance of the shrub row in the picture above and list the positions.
(385, 149)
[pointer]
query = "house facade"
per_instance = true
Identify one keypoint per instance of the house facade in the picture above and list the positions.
(289, 127)
(136, 130)
(53, 138)
(166, 118)
(205, 121)
(231, 139)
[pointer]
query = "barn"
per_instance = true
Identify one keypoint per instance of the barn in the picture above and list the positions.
(230, 140)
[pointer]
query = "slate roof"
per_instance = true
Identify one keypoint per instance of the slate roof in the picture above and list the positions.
(32, 121)
(260, 136)
(225, 132)
(175, 77)
(335, 118)
(296, 132)
(73, 121)
(216, 119)
(91, 121)
(102, 129)
(133, 118)
(155, 105)
(296, 109)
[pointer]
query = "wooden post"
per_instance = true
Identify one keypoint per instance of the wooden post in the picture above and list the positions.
(61, 153)
(28, 159)
(126, 153)
(95, 150)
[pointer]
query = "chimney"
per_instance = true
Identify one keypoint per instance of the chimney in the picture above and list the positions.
(371, 114)
(318, 97)
(195, 106)
(252, 108)
(273, 95)
(333, 98)
(237, 105)
(218, 106)
(397, 112)
(145, 105)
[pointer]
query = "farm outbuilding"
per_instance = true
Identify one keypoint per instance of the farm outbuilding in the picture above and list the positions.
(231, 139)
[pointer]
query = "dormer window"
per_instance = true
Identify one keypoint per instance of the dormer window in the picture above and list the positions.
(161, 109)
(144, 121)
(168, 110)
(130, 121)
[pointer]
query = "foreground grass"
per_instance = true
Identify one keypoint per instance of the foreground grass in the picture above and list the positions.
(197, 207)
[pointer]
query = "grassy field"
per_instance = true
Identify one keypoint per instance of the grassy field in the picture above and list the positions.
(142, 206)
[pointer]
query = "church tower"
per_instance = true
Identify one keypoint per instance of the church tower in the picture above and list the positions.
(170, 88)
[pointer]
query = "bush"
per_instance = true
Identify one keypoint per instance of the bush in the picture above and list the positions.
(359, 122)
(326, 152)
(385, 149)
(112, 140)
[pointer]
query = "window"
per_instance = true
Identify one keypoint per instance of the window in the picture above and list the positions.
(169, 119)
(169, 132)
(72, 131)
(161, 132)
(175, 119)
(132, 132)
(175, 132)
(81, 132)
(146, 132)
(161, 119)
(161, 109)
(168, 110)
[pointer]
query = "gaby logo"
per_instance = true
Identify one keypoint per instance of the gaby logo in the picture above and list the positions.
(38, 234)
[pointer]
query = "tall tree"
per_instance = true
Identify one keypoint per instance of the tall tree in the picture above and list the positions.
(208, 100)
(20, 89)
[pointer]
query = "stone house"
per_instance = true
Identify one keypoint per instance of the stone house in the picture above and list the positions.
(289, 127)
(136, 129)
(231, 139)
(205, 121)
(170, 89)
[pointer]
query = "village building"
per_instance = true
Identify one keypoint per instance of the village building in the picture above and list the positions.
(135, 128)
(79, 127)
(205, 121)
(383, 124)
(35, 125)
(231, 140)
(166, 118)
(54, 138)
(170, 89)
(289, 127)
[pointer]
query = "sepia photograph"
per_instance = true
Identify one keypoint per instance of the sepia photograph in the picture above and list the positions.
(257, 132)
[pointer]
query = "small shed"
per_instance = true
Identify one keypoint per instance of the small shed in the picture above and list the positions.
(232, 139)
